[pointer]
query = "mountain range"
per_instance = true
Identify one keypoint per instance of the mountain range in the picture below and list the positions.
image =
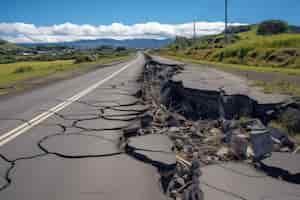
(129, 43)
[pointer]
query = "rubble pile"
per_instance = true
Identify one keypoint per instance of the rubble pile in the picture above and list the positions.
(206, 127)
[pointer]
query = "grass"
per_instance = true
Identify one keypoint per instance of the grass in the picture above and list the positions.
(246, 48)
(282, 127)
(184, 58)
(282, 87)
(13, 73)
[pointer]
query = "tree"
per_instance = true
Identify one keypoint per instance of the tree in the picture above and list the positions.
(271, 27)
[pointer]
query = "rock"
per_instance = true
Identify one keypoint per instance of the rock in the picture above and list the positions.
(146, 120)
(180, 181)
(195, 165)
(172, 121)
(179, 144)
(239, 146)
(131, 131)
(250, 152)
(291, 119)
(261, 140)
(188, 149)
(223, 152)
(281, 139)
(174, 129)
(216, 131)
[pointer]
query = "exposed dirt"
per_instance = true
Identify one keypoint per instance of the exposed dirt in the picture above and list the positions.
(208, 126)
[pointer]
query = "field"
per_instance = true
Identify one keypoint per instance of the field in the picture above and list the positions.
(246, 46)
(14, 74)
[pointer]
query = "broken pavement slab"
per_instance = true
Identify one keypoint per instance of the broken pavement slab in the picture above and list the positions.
(162, 86)
(80, 145)
(284, 166)
(240, 181)
(153, 148)
(94, 178)
(4, 166)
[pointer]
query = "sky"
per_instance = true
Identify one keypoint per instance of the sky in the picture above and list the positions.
(67, 20)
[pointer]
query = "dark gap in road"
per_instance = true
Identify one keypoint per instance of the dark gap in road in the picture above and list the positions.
(196, 104)
(177, 110)
(166, 171)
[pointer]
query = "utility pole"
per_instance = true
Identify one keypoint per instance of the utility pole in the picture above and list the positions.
(194, 31)
(226, 22)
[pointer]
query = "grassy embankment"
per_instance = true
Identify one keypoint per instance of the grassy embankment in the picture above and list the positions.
(247, 52)
(16, 73)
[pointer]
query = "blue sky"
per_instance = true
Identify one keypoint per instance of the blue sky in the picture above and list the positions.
(91, 19)
(47, 12)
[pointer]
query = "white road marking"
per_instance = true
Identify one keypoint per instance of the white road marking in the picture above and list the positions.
(9, 136)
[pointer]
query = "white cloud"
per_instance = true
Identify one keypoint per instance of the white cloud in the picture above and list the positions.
(29, 33)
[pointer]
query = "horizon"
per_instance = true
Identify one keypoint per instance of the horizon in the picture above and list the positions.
(58, 21)
(69, 32)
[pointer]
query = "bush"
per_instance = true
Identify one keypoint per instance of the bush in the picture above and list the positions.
(21, 70)
(272, 27)
(7, 59)
(84, 58)
(119, 49)
(2, 42)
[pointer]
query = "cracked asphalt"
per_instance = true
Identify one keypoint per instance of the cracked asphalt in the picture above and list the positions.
(75, 153)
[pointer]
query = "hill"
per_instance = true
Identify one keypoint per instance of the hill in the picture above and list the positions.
(6, 47)
(8, 51)
(246, 46)
(130, 43)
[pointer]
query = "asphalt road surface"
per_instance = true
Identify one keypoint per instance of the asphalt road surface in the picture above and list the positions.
(61, 141)
(207, 78)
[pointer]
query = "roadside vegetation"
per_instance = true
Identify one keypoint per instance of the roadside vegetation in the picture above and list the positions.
(271, 44)
(42, 61)
(283, 87)
(269, 47)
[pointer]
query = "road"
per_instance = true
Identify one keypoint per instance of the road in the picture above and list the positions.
(62, 142)
(234, 180)
(204, 77)
(72, 151)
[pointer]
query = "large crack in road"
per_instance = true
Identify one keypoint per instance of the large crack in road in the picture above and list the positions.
(87, 134)
(209, 127)
(126, 127)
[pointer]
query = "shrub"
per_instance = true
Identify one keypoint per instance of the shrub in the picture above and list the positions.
(7, 59)
(21, 70)
(84, 58)
(272, 27)
(119, 49)
(2, 42)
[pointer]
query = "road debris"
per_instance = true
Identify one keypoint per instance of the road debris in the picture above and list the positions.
(206, 127)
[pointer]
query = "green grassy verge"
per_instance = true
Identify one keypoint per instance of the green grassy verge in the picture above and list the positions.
(245, 46)
(282, 87)
(184, 58)
(11, 74)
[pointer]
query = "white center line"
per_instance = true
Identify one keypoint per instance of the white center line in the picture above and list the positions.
(9, 136)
